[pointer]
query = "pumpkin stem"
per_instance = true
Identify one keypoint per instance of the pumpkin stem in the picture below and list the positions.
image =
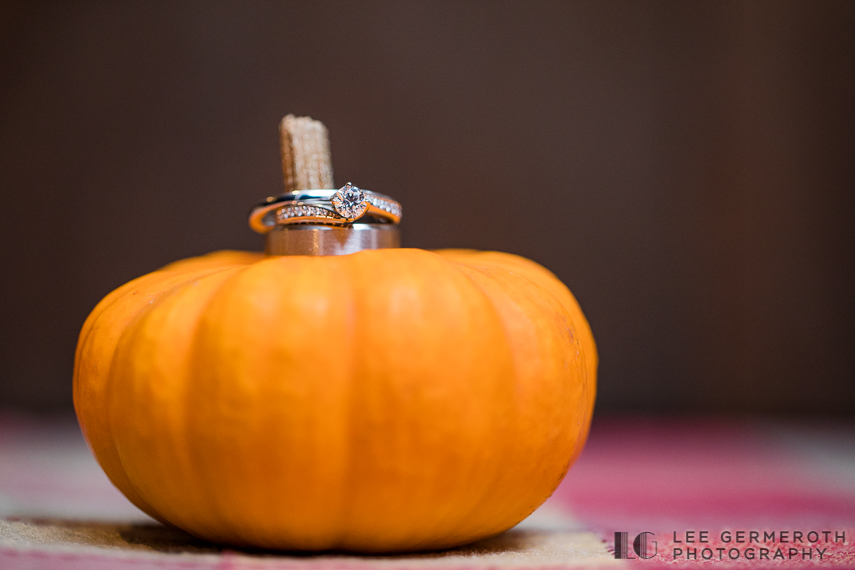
(306, 160)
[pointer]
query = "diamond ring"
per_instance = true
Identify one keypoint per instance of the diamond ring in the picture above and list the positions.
(327, 207)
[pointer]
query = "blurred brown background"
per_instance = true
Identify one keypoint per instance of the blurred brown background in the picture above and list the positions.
(688, 169)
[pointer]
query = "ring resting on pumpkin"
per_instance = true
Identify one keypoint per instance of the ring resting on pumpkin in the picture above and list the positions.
(339, 207)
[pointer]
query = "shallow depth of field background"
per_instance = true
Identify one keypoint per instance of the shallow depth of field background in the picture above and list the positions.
(688, 169)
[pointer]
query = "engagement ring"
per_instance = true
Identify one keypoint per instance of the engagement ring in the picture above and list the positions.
(327, 207)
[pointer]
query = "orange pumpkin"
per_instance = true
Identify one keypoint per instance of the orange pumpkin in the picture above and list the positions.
(388, 400)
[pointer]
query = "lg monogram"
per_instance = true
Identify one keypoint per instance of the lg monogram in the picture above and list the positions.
(639, 546)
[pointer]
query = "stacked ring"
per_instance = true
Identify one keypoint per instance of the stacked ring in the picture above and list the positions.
(339, 207)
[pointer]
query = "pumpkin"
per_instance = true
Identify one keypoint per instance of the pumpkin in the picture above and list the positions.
(384, 401)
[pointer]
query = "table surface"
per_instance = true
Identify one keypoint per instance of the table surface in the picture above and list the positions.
(668, 477)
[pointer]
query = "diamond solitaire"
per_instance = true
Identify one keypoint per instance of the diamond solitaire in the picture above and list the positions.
(350, 202)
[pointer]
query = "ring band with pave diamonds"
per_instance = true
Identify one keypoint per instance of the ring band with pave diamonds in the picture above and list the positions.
(339, 207)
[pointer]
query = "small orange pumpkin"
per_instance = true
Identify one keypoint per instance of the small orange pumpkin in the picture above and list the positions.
(383, 401)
